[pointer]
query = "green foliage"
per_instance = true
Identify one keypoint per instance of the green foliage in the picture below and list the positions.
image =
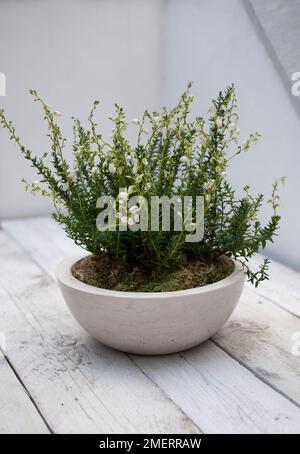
(173, 156)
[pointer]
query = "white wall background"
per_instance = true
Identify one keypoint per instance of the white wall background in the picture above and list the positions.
(141, 53)
(215, 43)
(280, 20)
(72, 52)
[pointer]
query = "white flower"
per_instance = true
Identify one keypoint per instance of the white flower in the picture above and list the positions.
(58, 113)
(209, 184)
(66, 186)
(134, 209)
(112, 168)
(139, 178)
(97, 159)
(145, 161)
(135, 164)
(223, 174)
(136, 121)
(171, 153)
(157, 119)
(124, 219)
(130, 189)
(35, 182)
(208, 198)
(131, 221)
(148, 186)
(146, 130)
(123, 195)
(184, 159)
(219, 122)
(231, 125)
(94, 170)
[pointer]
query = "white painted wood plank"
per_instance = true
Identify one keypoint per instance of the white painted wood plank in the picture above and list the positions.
(79, 385)
(260, 335)
(17, 413)
(283, 287)
(249, 382)
(43, 238)
(219, 394)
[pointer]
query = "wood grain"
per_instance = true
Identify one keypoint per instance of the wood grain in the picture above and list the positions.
(219, 394)
(79, 385)
(259, 333)
(283, 287)
(258, 336)
(17, 412)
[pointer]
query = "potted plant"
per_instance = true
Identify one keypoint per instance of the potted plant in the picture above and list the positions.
(143, 286)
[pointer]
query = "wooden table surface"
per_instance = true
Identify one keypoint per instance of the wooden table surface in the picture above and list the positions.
(55, 378)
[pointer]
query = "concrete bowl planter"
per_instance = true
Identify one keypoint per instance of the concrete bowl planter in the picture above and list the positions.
(150, 323)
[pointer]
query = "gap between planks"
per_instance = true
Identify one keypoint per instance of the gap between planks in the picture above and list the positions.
(39, 243)
(282, 289)
(18, 413)
(258, 335)
(18, 378)
(79, 385)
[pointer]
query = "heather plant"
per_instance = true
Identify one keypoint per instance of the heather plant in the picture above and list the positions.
(173, 156)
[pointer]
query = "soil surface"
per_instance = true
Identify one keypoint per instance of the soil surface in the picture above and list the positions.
(103, 272)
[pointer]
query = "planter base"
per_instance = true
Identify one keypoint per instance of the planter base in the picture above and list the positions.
(151, 323)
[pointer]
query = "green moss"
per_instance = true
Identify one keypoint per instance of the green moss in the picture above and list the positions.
(103, 272)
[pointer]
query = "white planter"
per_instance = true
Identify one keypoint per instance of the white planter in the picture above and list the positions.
(150, 323)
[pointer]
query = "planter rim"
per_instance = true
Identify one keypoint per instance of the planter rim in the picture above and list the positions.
(64, 275)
